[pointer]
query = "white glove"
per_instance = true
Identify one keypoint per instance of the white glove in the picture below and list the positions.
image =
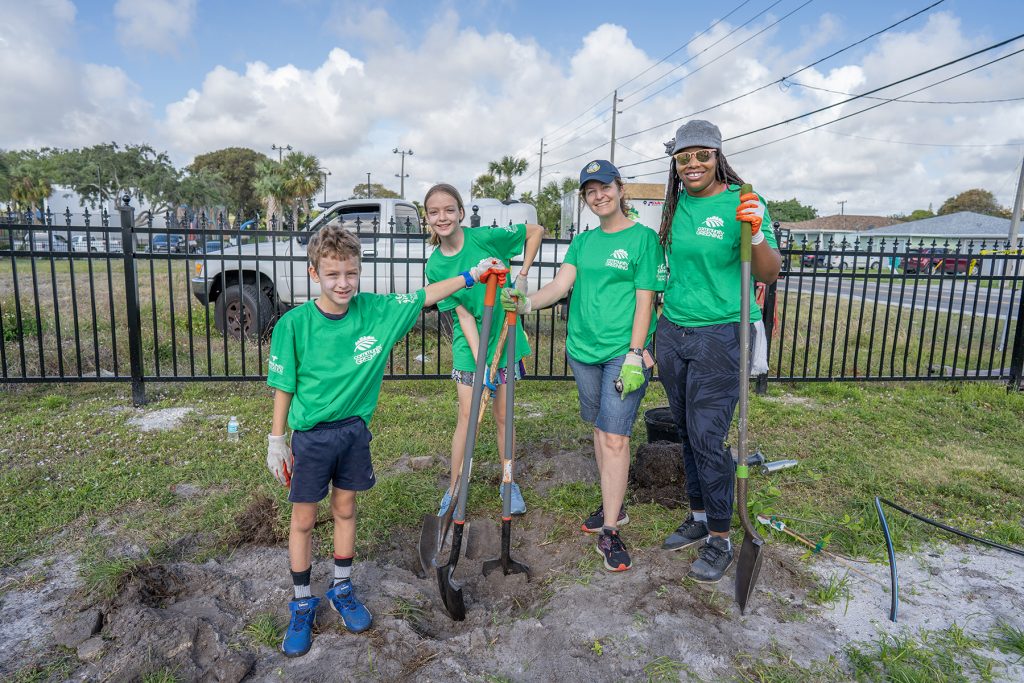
(487, 265)
(279, 458)
(522, 283)
(514, 300)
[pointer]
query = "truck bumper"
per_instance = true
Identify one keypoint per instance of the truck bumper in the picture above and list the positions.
(201, 290)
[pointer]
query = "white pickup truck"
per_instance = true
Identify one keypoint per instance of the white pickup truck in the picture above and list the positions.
(250, 284)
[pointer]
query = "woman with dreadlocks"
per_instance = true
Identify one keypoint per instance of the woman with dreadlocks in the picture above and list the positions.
(698, 334)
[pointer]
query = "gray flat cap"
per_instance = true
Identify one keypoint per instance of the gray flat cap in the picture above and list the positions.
(696, 133)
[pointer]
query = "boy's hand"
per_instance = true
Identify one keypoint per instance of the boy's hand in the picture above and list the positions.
(279, 458)
(487, 266)
(515, 300)
(751, 211)
(631, 375)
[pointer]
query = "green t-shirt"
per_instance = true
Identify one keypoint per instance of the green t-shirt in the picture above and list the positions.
(610, 267)
(334, 368)
(704, 261)
(480, 243)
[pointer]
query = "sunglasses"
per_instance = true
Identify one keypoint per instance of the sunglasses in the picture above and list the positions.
(702, 155)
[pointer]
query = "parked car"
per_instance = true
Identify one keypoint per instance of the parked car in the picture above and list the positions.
(937, 259)
(245, 283)
(167, 243)
(95, 243)
(844, 261)
(46, 241)
(211, 246)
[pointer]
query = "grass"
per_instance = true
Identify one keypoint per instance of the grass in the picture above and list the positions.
(164, 675)
(835, 590)
(664, 669)
(264, 629)
(929, 657)
(1009, 639)
(59, 664)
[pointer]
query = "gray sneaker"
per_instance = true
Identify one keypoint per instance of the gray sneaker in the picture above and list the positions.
(713, 558)
(686, 534)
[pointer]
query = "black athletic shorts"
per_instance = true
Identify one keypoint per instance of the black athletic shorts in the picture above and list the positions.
(335, 453)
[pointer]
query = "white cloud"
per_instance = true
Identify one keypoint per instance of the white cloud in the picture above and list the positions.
(156, 25)
(53, 101)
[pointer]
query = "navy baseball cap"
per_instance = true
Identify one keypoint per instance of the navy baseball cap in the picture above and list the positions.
(600, 170)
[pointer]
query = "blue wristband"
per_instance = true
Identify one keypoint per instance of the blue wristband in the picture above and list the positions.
(468, 278)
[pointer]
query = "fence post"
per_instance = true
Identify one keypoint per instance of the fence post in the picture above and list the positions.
(768, 317)
(1017, 357)
(131, 296)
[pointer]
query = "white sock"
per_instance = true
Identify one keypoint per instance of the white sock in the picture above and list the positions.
(701, 516)
(728, 542)
(302, 592)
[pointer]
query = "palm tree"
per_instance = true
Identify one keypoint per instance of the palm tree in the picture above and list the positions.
(302, 181)
(269, 184)
(486, 185)
(28, 189)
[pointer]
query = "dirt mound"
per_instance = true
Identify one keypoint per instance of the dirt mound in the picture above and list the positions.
(657, 476)
(257, 524)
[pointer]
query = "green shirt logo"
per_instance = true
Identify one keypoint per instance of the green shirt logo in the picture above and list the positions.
(364, 345)
(711, 228)
(619, 259)
(275, 366)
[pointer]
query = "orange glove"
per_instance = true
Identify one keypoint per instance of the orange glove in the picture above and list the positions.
(487, 267)
(751, 210)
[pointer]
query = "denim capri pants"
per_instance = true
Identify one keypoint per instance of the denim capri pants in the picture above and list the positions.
(600, 404)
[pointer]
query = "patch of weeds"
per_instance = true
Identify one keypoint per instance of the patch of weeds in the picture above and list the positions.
(264, 629)
(639, 620)
(664, 669)
(57, 668)
(572, 499)
(407, 610)
(105, 577)
(256, 524)
(597, 648)
(585, 568)
(15, 329)
(930, 657)
(777, 666)
(1009, 639)
(54, 401)
(716, 601)
(495, 678)
(164, 675)
(26, 582)
(836, 589)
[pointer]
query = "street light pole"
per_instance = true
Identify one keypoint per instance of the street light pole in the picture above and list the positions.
(280, 150)
(369, 190)
(403, 174)
(324, 172)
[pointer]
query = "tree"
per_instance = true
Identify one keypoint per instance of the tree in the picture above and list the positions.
(269, 185)
(107, 171)
(791, 211)
(376, 190)
(237, 168)
(919, 214)
(976, 200)
(487, 185)
(202, 191)
(508, 168)
(302, 181)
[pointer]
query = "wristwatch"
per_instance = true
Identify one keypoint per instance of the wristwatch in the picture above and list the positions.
(638, 351)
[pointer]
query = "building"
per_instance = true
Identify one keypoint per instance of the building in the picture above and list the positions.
(825, 228)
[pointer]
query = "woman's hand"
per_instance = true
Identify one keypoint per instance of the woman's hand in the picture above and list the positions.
(751, 211)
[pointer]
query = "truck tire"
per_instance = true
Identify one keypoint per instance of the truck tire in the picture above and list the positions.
(237, 300)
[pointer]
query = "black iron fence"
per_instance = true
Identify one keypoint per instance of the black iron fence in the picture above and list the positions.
(84, 302)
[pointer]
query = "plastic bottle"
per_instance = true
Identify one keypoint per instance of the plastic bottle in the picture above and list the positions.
(233, 429)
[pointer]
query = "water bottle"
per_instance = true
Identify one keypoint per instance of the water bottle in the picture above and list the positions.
(233, 429)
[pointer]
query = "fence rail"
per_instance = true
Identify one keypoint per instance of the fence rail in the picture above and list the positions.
(106, 311)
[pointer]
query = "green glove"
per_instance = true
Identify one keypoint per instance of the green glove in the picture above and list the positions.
(515, 300)
(631, 375)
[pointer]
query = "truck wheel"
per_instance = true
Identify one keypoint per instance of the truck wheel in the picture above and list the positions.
(243, 309)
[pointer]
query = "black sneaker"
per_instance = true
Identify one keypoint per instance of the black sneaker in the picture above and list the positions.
(613, 550)
(686, 534)
(713, 558)
(595, 522)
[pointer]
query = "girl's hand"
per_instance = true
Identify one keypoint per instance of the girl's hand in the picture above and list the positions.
(487, 266)
(751, 210)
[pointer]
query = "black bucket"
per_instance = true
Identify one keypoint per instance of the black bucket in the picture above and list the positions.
(660, 426)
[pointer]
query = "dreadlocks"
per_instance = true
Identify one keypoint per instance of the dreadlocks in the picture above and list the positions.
(723, 174)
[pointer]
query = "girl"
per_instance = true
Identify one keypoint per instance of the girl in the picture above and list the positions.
(616, 271)
(698, 335)
(457, 246)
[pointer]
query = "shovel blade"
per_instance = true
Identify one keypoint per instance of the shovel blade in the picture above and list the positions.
(747, 569)
(451, 593)
(430, 543)
(505, 561)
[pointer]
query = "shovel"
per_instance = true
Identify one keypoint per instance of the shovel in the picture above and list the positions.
(435, 528)
(505, 561)
(749, 564)
(451, 590)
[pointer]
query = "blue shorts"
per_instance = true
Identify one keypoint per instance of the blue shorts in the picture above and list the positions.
(600, 404)
(335, 453)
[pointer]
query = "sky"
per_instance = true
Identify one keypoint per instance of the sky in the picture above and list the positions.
(464, 83)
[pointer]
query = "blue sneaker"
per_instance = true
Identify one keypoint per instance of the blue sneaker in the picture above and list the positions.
(343, 598)
(518, 504)
(446, 501)
(299, 637)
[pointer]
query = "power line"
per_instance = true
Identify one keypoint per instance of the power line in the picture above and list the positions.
(779, 80)
(925, 144)
(712, 61)
(874, 106)
(849, 94)
(552, 134)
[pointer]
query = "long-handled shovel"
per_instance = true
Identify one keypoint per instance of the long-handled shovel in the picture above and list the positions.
(749, 564)
(505, 561)
(451, 590)
(435, 528)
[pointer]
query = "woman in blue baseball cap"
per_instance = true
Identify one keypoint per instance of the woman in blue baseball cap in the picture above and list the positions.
(698, 334)
(614, 272)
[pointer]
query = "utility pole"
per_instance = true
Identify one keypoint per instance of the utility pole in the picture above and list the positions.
(280, 150)
(324, 173)
(615, 111)
(403, 174)
(540, 168)
(1017, 206)
(842, 211)
(369, 190)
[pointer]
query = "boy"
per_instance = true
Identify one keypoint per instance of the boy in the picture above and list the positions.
(327, 360)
